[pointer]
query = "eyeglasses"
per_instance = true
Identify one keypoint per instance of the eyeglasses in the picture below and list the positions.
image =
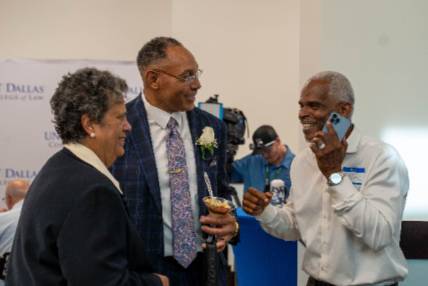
(187, 78)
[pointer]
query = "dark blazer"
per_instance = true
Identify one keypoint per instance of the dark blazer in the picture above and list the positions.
(137, 173)
(74, 230)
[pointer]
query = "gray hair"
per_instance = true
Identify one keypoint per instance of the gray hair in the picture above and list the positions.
(339, 87)
(87, 91)
(154, 50)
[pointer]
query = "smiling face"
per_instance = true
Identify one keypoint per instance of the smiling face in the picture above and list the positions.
(167, 91)
(315, 107)
(110, 134)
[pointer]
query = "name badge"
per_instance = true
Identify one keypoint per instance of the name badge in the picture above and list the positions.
(356, 175)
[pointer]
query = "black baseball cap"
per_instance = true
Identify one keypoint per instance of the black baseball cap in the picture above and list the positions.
(263, 137)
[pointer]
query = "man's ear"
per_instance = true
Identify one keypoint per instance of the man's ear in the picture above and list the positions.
(345, 109)
(152, 79)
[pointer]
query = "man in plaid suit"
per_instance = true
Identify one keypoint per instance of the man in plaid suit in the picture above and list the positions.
(171, 80)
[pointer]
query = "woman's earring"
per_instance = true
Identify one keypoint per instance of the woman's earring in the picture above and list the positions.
(92, 135)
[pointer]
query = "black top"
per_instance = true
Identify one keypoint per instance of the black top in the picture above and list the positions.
(74, 230)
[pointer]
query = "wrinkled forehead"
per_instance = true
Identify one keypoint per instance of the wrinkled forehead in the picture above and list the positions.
(179, 57)
(315, 90)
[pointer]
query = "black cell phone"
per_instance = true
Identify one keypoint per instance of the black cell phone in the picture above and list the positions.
(340, 124)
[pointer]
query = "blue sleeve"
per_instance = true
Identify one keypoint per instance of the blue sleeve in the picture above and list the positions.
(239, 167)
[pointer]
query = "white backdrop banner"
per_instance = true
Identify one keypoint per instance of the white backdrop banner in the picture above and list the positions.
(27, 137)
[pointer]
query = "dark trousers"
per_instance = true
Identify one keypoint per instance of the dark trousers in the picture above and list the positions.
(313, 282)
(194, 275)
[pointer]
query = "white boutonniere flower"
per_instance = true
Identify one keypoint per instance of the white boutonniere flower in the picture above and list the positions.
(207, 141)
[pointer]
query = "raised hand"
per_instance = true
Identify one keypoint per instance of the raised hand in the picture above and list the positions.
(255, 201)
(329, 151)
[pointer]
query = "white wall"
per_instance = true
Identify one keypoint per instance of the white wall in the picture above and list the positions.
(80, 29)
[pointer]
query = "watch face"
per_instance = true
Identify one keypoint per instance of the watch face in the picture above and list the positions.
(335, 178)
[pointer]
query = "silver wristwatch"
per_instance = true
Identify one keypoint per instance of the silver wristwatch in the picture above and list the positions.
(335, 179)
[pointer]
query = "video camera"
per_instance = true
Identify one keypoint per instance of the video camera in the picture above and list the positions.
(236, 124)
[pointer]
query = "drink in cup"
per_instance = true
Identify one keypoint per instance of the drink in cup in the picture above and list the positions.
(217, 205)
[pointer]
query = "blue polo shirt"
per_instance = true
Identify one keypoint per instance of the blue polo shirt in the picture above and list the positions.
(253, 169)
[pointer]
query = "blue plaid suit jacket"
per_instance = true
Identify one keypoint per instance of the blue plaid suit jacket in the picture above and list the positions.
(137, 173)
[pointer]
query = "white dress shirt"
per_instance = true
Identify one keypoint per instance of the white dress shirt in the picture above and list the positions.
(352, 230)
(158, 119)
(8, 223)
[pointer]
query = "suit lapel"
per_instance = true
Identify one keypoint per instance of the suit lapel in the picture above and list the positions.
(142, 142)
(196, 131)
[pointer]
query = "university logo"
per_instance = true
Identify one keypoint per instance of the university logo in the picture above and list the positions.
(8, 173)
(52, 139)
(19, 91)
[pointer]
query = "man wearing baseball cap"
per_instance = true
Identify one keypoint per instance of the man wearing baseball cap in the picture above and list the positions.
(270, 160)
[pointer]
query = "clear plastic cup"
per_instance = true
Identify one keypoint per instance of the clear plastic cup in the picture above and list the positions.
(217, 205)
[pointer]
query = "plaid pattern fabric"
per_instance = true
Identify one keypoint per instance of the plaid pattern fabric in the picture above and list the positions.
(184, 236)
(137, 173)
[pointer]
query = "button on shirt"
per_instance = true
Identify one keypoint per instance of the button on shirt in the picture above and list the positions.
(252, 170)
(158, 119)
(351, 230)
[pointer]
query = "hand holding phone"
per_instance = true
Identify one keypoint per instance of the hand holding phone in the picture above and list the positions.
(340, 124)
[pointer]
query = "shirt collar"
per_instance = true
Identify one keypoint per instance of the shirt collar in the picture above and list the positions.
(353, 140)
(18, 205)
(161, 117)
(87, 155)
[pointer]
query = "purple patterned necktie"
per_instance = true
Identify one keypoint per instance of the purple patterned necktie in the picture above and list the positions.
(184, 236)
